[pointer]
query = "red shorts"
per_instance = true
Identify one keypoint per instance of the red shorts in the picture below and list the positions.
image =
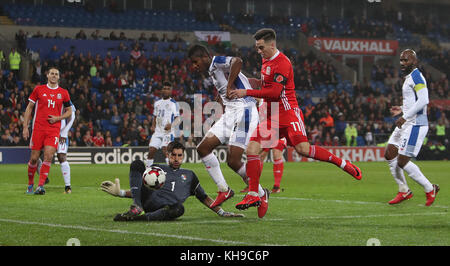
(292, 128)
(282, 144)
(41, 138)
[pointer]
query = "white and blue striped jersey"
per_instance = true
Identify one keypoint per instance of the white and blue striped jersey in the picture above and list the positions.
(165, 112)
(415, 99)
(219, 70)
(66, 124)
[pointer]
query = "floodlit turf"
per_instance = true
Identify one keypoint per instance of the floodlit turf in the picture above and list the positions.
(321, 205)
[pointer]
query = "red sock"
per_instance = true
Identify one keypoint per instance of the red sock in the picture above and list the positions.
(278, 167)
(31, 171)
(45, 169)
(321, 154)
(253, 172)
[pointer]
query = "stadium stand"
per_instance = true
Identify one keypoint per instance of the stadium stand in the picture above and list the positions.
(114, 81)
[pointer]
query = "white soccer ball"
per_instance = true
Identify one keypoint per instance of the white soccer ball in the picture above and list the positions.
(154, 177)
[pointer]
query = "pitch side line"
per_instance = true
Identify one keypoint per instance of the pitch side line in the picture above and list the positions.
(85, 228)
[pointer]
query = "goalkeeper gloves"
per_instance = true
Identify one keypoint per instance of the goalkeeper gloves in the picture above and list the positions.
(113, 188)
(223, 213)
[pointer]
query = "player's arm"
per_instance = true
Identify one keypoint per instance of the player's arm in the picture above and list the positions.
(153, 126)
(421, 102)
(114, 189)
(65, 130)
(27, 118)
(255, 83)
(67, 113)
(235, 68)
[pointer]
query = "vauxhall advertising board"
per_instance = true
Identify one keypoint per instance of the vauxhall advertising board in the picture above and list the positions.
(354, 46)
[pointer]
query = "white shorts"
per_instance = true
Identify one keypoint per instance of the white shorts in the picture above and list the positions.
(159, 140)
(62, 148)
(408, 139)
(236, 125)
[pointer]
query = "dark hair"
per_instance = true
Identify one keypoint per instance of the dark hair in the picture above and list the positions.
(175, 145)
(167, 83)
(198, 50)
(267, 34)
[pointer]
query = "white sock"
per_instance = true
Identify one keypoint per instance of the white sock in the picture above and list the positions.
(65, 170)
(398, 175)
(213, 168)
(148, 163)
(414, 172)
(243, 173)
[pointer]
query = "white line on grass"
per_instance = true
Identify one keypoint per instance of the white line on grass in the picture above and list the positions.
(85, 228)
(363, 216)
(350, 202)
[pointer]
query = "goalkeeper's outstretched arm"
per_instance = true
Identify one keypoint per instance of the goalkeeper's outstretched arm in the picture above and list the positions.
(114, 189)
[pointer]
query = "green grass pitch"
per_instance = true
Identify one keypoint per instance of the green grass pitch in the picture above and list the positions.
(320, 206)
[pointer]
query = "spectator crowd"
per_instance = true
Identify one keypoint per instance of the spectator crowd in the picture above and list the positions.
(97, 88)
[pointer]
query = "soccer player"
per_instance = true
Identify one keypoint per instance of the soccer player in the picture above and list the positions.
(52, 105)
(235, 125)
(165, 203)
(61, 152)
(166, 116)
(277, 87)
(411, 129)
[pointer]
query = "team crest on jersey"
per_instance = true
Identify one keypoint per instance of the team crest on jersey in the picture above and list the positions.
(268, 70)
(59, 96)
(183, 177)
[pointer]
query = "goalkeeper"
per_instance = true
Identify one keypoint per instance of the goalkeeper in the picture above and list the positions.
(166, 203)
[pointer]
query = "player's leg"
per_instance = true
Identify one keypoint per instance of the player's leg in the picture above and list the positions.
(32, 168)
(65, 171)
(36, 144)
(316, 152)
(49, 152)
(278, 167)
(204, 149)
(166, 140)
(61, 153)
(412, 139)
(153, 146)
(165, 213)
(391, 156)
(254, 173)
(212, 139)
(234, 161)
(295, 134)
(137, 168)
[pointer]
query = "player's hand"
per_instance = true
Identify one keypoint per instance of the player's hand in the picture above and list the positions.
(395, 110)
(234, 94)
(111, 188)
(52, 119)
(230, 214)
(25, 133)
(399, 122)
(168, 127)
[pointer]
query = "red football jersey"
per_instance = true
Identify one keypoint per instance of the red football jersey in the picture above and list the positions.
(48, 101)
(277, 76)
